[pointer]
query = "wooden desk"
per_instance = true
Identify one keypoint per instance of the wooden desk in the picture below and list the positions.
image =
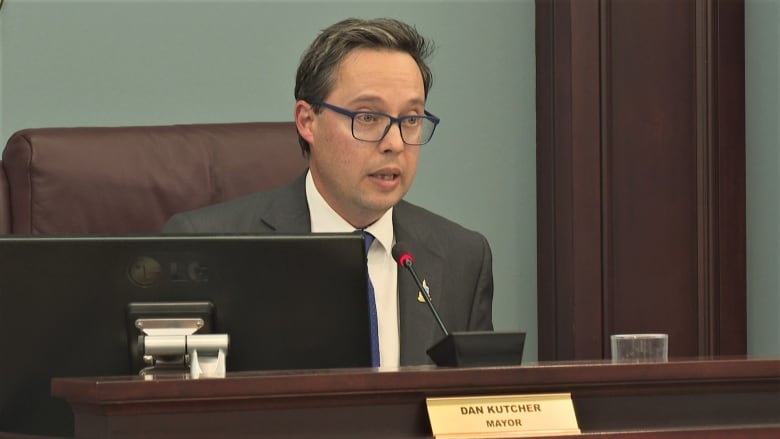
(715, 398)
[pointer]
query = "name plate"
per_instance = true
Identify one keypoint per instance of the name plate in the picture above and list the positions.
(503, 416)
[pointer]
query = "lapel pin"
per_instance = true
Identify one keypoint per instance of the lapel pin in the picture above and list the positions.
(420, 296)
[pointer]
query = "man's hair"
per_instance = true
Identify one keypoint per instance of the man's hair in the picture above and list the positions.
(317, 71)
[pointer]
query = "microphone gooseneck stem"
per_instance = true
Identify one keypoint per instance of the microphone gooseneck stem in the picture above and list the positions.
(424, 291)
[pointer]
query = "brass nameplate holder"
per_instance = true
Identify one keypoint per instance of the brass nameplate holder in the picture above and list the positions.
(503, 416)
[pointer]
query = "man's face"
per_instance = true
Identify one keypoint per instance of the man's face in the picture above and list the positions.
(361, 180)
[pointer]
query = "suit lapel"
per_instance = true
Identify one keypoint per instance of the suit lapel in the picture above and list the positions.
(288, 211)
(418, 327)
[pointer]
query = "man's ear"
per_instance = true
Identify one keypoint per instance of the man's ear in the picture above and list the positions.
(304, 119)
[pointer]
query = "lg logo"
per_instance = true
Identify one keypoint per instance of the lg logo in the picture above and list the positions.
(147, 272)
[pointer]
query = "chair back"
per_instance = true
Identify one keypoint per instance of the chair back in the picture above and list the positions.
(112, 180)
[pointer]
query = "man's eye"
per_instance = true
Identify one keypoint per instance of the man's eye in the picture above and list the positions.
(365, 117)
(413, 120)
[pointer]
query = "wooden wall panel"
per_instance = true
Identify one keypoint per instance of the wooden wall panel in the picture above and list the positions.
(728, 25)
(650, 163)
(641, 174)
(569, 220)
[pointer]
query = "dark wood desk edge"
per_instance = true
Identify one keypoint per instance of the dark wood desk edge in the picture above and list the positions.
(633, 401)
(740, 432)
(565, 377)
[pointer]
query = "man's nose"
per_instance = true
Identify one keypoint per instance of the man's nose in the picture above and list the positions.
(393, 141)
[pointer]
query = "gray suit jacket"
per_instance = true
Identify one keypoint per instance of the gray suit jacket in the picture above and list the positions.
(455, 262)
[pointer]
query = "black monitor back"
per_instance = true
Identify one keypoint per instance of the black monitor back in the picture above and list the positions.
(286, 302)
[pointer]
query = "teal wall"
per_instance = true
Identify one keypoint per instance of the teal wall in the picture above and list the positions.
(127, 62)
(762, 96)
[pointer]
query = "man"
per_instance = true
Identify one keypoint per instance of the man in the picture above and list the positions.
(360, 92)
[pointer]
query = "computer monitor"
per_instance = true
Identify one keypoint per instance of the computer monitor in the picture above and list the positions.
(285, 301)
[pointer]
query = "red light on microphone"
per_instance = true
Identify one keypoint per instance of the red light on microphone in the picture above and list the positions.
(404, 258)
(402, 255)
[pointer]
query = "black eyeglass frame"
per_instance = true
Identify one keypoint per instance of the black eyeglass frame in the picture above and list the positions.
(393, 121)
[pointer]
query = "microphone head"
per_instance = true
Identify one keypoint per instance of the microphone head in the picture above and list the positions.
(402, 254)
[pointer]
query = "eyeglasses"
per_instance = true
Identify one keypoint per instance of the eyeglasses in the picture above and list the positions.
(370, 126)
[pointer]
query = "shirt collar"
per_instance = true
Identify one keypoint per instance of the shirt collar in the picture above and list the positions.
(325, 220)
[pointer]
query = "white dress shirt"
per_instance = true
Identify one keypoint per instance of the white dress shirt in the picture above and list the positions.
(381, 268)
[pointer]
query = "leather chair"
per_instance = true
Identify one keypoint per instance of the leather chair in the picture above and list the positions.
(114, 180)
(5, 208)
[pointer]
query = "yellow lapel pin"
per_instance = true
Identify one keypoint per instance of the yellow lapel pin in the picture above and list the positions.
(420, 296)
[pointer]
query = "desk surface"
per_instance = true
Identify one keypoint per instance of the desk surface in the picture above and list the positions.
(724, 394)
(584, 378)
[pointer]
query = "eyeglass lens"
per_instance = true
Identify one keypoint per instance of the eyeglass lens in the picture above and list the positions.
(373, 127)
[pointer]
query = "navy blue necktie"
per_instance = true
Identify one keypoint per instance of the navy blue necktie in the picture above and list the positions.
(372, 318)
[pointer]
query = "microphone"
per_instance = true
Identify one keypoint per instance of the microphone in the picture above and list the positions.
(464, 349)
(403, 256)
